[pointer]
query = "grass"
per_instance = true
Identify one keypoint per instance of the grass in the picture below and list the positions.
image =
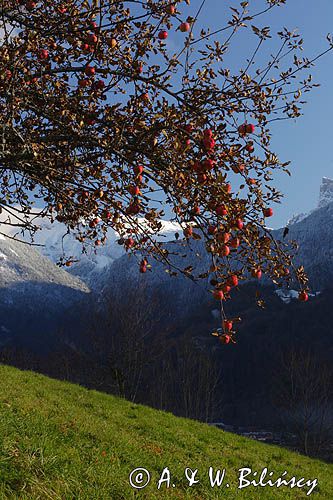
(60, 441)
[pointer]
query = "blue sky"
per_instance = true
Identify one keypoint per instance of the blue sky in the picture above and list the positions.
(307, 141)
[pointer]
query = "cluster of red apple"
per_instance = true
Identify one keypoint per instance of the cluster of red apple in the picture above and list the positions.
(203, 167)
(133, 209)
(163, 34)
(227, 336)
(89, 44)
(244, 129)
(184, 26)
(134, 190)
(220, 294)
(96, 85)
(226, 333)
(222, 237)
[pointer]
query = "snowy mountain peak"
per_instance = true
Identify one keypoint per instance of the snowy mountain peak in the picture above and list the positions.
(91, 264)
(325, 198)
(326, 192)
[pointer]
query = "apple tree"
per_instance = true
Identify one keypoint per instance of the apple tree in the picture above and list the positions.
(104, 123)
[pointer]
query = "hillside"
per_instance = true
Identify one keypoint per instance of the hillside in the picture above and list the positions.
(60, 441)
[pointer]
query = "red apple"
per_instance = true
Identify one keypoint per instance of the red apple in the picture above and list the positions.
(89, 70)
(134, 190)
(83, 83)
(234, 243)
(239, 224)
(90, 120)
(99, 85)
(94, 222)
(143, 268)
(93, 25)
(268, 212)
(197, 166)
(232, 280)
(185, 27)
(223, 237)
(208, 133)
(92, 38)
(218, 295)
(43, 54)
(188, 231)
(225, 251)
(221, 210)
(246, 128)
(163, 35)
(227, 325)
(208, 143)
(303, 296)
(138, 66)
(257, 273)
(238, 168)
(170, 9)
(138, 169)
(107, 214)
(225, 339)
(129, 243)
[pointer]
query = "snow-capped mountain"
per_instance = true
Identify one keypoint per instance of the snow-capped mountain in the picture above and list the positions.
(22, 265)
(313, 233)
(91, 263)
(325, 198)
(326, 192)
(34, 292)
(38, 297)
(107, 267)
(107, 264)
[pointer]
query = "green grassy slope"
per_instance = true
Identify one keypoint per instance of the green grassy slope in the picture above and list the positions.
(60, 441)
